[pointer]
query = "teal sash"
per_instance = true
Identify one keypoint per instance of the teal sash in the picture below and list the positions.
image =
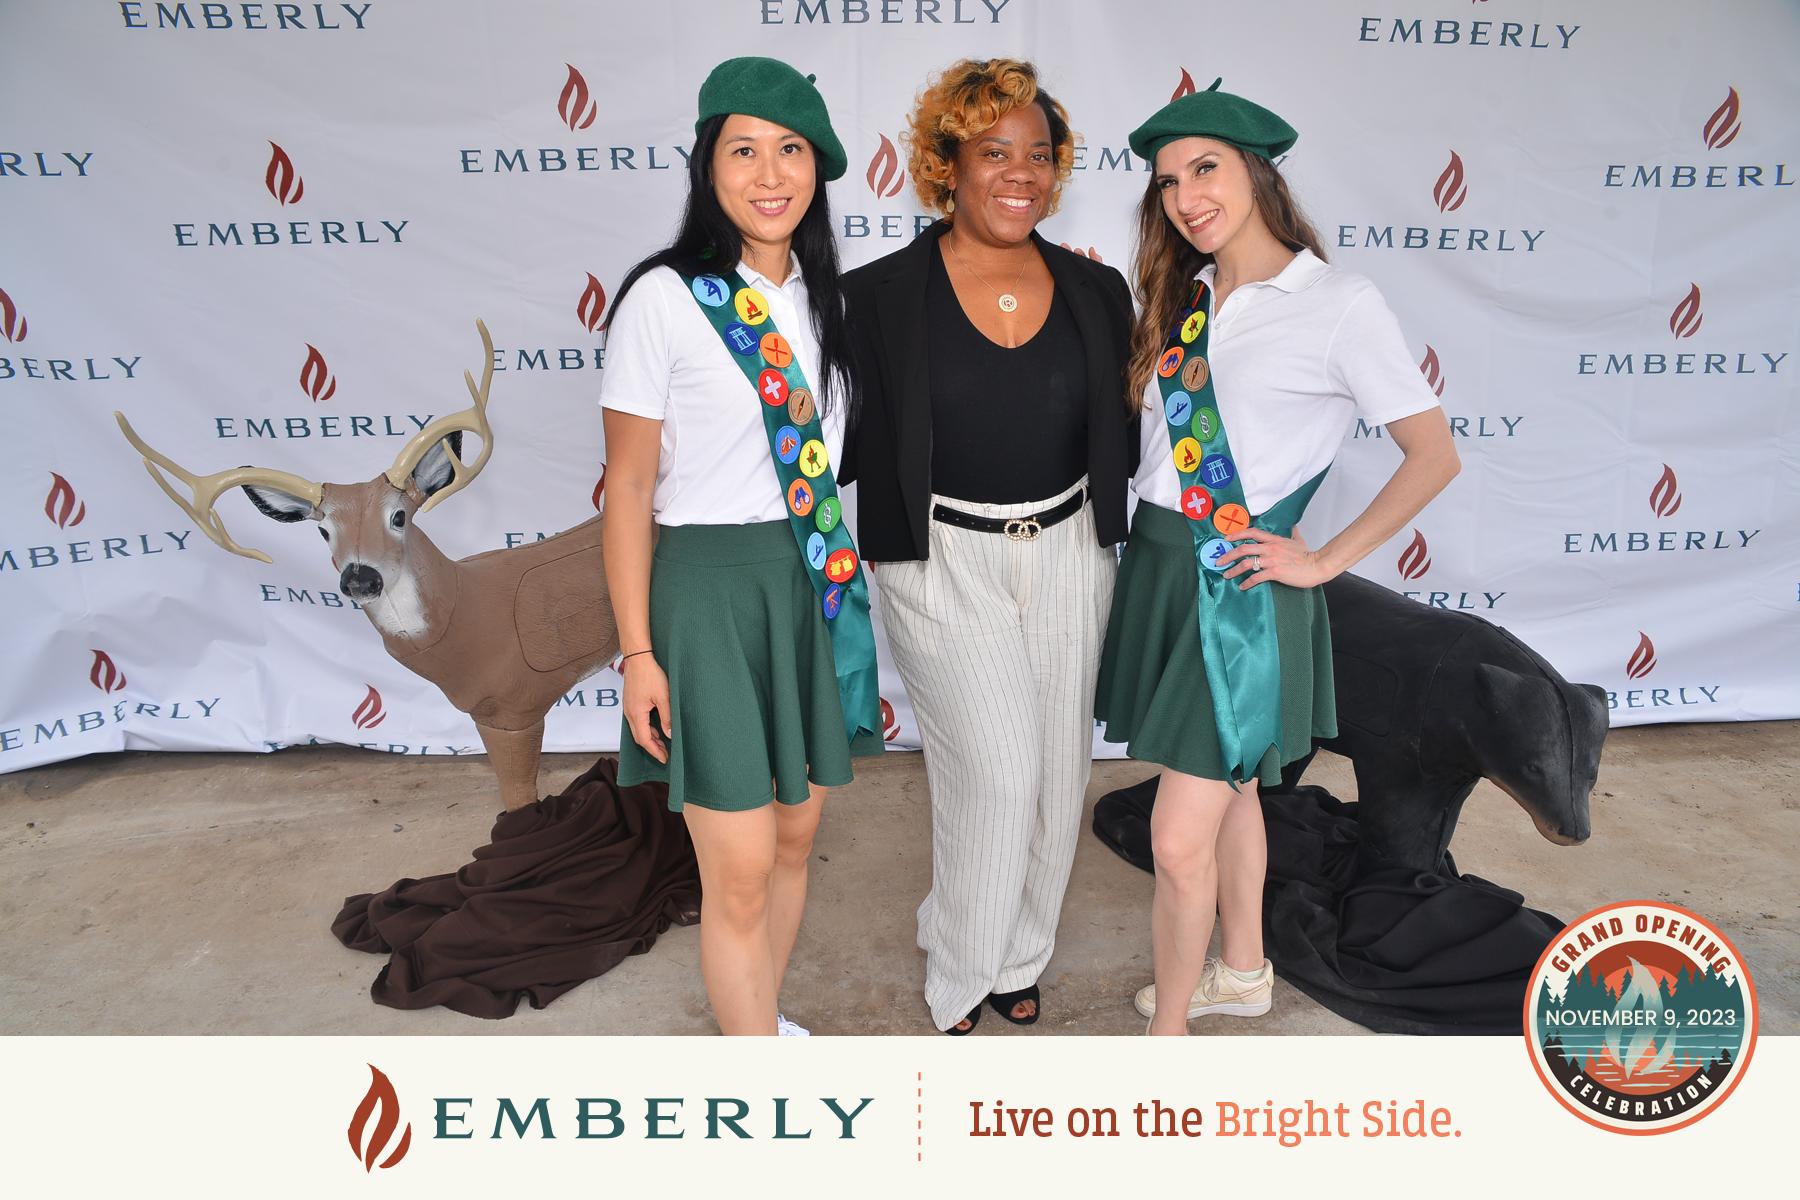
(1237, 628)
(740, 315)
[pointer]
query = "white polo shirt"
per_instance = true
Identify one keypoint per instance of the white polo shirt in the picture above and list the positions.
(665, 361)
(1295, 361)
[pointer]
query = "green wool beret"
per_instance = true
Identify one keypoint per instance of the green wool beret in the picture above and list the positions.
(770, 89)
(1214, 114)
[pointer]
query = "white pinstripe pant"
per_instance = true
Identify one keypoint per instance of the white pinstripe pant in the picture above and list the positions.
(998, 642)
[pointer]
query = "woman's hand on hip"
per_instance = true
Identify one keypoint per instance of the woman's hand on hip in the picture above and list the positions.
(647, 691)
(1266, 557)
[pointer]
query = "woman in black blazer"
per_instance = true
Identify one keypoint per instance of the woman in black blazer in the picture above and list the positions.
(991, 444)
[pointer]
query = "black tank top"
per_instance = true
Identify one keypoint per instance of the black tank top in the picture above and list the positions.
(1007, 425)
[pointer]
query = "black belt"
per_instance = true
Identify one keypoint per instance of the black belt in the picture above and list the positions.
(1019, 529)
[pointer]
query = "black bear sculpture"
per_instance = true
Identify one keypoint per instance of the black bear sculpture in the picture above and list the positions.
(1364, 908)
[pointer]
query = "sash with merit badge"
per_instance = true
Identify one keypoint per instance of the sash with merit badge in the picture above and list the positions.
(740, 315)
(1237, 628)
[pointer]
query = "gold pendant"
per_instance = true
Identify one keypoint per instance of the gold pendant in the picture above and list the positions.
(1008, 302)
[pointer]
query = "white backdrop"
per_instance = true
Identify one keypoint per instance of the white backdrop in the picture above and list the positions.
(264, 232)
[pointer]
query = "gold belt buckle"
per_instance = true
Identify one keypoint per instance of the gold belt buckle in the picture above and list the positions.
(1023, 530)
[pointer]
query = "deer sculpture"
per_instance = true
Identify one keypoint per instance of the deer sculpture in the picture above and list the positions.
(503, 634)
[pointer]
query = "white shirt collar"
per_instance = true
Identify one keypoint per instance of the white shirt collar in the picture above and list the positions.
(756, 277)
(1302, 270)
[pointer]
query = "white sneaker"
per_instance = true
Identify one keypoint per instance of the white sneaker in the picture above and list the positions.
(786, 1028)
(1222, 990)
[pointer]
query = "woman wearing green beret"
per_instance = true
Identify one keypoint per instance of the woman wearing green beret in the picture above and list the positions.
(749, 659)
(991, 450)
(1253, 358)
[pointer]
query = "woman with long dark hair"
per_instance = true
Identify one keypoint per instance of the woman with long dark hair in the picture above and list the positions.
(749, 660)
(1252, 357)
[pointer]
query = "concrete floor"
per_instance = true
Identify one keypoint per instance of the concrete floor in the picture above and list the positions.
(193, 893)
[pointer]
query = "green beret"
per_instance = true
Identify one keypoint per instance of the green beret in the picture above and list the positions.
(1214, 114)
(774, 91)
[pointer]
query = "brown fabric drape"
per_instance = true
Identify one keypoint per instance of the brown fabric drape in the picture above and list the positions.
(565, 889)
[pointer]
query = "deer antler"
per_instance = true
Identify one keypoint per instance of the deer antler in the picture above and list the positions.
(469, 420)
(206, 488)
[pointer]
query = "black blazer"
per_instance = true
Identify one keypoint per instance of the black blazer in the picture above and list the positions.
(887, 449)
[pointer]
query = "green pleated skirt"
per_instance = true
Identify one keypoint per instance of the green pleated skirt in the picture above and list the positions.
(736, 626)
(1153, 695)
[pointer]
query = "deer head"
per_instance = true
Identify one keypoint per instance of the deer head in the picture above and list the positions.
(367, 525)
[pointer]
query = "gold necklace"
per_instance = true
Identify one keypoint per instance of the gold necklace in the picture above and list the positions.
(1007, 301)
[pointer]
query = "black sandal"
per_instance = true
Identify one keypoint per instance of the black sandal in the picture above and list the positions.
(1004, 1003)
(974, 1019)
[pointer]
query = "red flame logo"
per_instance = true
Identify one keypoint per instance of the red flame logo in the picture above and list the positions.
(368, 715)
(316, 379)
(890, 724)
(600, 489)
(61, 504)
(284, 183)
(380, 1095)
(105, 674)
(884, 175)
(1643, 659)
(1723, 126)
(1415, 560)
(1433, 371)
(12, 324)
(1665, 500)
(573, 106)
(591, 308)
(1684, 320)
(1450, 191)
(1184, 88)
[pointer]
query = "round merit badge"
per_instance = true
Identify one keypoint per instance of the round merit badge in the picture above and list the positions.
(1210, 552)
(812, 459)
(841, 565)
(815, 551)
(800, 497)
(1193, 375)
(1170, 361)
(1187, 455)
(829, 514)
(751, 307)
(739, 337)
(1640, 1017)
(711, 291)
(1231, 519)
(1217, 470)
(800, 406)
(1197, 503)
(787, 443)
(772, 386)
(1190, 328)
(832, 600)
(1206, 424)
(1178, 407)
(776, 351)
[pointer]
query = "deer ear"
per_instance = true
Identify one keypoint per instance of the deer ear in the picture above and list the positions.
(435, 469)
(278, 505)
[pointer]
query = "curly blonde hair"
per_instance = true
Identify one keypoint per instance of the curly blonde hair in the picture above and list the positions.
(966, 99)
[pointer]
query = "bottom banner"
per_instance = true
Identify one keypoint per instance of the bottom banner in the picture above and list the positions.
(882, 1117)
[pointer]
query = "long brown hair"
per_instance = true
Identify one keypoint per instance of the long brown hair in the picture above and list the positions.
(1165, 263)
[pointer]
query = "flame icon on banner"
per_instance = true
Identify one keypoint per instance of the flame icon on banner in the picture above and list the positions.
(1184, 88)
(1684, 321)
(1723, 126)
(368, 715)
(591, 308)
(890, 724)
(61, 504)
(316, 379)
(885, 176)
(600, 489)
(1643, 659)
(1450, 191)
(381, 1096)
(573, 106)
(284, 183)
(1665, 499)
(105, 675)
(1433, 371)
(12, 324)
(1415, 560)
